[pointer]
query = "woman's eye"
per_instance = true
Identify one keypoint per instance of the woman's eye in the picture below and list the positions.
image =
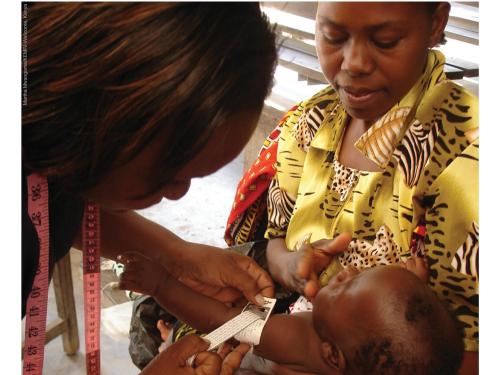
(386, 44)
(335, 40)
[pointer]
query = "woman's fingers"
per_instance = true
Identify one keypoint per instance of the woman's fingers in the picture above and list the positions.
(186, 347)
(232, 361)
(335, 246)
(319, 254)
(253, 282)
(312, 288)
(306, 263)
(207, 363)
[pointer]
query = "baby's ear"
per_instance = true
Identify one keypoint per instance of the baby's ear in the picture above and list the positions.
(333, 356)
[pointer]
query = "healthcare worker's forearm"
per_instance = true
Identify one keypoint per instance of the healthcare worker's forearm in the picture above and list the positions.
(129, 231)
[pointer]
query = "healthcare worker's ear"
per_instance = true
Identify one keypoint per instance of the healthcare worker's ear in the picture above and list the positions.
(439, 21)
(333, 356)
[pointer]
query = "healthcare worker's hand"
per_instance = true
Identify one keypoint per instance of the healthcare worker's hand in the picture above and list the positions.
(224, 275)
(173, 359)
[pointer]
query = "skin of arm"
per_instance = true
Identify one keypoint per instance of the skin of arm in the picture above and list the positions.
(289, 340)
(286, 339)
(200, 265)
(199, 311)
(279, 262)
(129, 231)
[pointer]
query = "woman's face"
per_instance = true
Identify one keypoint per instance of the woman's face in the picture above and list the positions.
(124, 188)
(373, 52)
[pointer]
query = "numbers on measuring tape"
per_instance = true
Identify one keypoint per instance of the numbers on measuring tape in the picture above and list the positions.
(36, 192)
(34, 311)
(36, 305)
(36, 218)
(33, 332)
(30, 367)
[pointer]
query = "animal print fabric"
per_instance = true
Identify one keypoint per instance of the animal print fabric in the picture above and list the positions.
(429, 173)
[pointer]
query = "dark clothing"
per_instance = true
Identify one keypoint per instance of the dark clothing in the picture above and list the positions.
(65, 217)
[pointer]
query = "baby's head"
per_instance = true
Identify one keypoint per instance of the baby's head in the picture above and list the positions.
(385, 320)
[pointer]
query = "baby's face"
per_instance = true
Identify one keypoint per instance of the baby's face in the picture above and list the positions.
(355, 303)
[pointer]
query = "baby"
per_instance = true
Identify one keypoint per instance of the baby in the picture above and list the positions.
(383, 320)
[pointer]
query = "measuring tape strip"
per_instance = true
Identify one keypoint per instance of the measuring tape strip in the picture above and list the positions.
(248, 324)
(92, 286)
(36, 306)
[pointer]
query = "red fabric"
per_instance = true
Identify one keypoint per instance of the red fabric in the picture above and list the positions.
(257, 179)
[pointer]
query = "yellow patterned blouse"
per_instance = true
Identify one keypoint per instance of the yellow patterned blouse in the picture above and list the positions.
(427, 146)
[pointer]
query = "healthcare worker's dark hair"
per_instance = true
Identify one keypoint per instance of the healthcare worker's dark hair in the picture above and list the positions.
(104, 79)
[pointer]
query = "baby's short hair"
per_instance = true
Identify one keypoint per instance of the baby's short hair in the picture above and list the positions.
(425, 338)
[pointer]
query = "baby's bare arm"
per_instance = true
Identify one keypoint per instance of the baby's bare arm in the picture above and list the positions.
(201, 312)
(292, 340)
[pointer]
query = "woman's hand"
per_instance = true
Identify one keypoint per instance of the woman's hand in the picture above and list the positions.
(228, 274)
(418, 266)
(173, 360)
(232, 357)
(223, 275)
(225, 362)
(298, 270)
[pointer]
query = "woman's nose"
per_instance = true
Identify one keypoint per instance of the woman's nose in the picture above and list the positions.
(356, 59)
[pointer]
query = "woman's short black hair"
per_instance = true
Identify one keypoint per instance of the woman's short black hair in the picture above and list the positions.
(431, 8)
(104, 79)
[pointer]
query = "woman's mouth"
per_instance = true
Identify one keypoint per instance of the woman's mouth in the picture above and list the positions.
(359, 97)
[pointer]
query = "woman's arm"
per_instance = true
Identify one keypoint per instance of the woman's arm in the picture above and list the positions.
(128, 231)
(197, 264)
(146, 276)
(199, 311)
(280, 263)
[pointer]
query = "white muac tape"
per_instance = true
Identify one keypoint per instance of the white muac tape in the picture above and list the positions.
(245, 327)
(252, 333)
